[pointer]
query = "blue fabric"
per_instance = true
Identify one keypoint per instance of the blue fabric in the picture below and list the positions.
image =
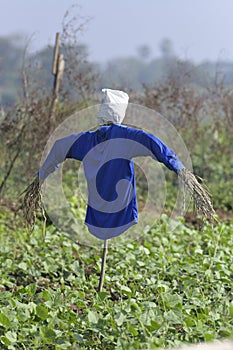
(107, 155)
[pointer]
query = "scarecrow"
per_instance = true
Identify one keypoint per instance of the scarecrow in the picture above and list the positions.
(107, 154)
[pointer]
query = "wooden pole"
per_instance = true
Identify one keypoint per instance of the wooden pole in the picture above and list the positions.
(103, 264)
(55, 54)
(57, 71)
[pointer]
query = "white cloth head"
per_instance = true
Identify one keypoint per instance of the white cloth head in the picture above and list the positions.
(113, 106)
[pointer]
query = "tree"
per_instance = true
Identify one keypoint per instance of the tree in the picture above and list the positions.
(144, 51)
(10, 66)
(166, 48)
(79, 73)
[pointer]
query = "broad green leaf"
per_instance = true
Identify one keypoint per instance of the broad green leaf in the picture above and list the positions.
(162, 286)
(172, 300)
(155, 324)
(209, 336)
(92, 317)
(63, 346)
(4, 321)
(103, 295)
(5, 340)
(78, 337)
(208, 273)
(31, 289)
(189, 321)
(120, 318)
(147, 316)
(42, 312)
(132, 329)
(47, 333)
(172, 317)
(23, 315)
(126, 290)
(224, 332)
(46, 295)
(23, 266)
(11, 336)
(12, 302)
(150, 304)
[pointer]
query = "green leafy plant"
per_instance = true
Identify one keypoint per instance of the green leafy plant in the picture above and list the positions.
(165, 289)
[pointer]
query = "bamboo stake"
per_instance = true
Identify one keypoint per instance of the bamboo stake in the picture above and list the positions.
(55, 54)
(57, 71)
(103, 264)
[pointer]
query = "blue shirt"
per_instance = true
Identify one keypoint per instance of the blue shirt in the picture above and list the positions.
(107, 155)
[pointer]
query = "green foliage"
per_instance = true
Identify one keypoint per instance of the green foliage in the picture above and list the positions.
(11, 63)
(212, 160)
(168, 288)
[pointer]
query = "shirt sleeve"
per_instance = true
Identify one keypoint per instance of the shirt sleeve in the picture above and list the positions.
(158, 150)
(57, 155)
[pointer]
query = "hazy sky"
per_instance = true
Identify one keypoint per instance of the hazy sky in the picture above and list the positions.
(199, 29)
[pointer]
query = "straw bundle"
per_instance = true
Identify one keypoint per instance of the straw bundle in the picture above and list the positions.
(198, 193)
(32, 202)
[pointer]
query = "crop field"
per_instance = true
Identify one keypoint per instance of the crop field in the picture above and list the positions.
(163, 289)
